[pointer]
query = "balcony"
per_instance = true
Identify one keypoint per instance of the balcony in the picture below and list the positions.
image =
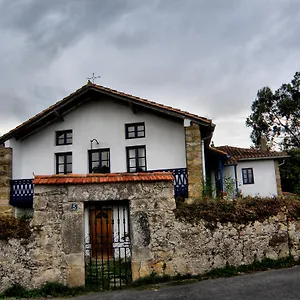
(180, 181)
(21, 193)
(21, 190)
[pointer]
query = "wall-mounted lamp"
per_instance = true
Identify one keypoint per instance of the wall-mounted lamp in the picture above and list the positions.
(93, 140)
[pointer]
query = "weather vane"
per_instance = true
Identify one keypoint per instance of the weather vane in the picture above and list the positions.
(93, 78)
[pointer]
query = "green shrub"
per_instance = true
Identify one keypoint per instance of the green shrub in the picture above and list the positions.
(242, 211)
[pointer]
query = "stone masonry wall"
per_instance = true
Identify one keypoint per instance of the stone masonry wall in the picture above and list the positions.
(278, 179)
(160, 242)
(177, 247)
(194, 162)
(5, 177)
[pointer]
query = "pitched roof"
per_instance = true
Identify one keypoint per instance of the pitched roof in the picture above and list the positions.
(101, 178)
(239, 154)
(62, 107)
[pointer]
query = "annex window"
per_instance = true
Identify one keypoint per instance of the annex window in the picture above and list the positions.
(135, 130)
(99, 161)
(247, 174)
(64, 163)
(64, 137)
(136, 159)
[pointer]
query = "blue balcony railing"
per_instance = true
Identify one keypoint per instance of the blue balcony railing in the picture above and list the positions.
(180, 181)
(21, 193)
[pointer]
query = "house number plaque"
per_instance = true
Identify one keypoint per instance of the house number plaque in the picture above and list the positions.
(74, 206)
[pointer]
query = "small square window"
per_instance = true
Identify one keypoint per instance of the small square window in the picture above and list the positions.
(64, 137)
(135, 130)
(99, 161)
(64, 163)
(136, 159)
(248, 177)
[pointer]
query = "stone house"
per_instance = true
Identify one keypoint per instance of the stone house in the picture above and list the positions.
(100, 130)
(101, 168)
(250, 172)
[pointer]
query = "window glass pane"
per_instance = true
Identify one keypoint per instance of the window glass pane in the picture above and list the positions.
(132, 169)
(69, 135)
(131, 134)
(95, 164)
(140, 128)
(60, 135)
(131, 153)
(69, 158)
(140, 133)
(69, 168)
(61, 169)
(105, 155)
(132, 163)
(61, 141)
(141, 152)
(95, 156)
(69, 140)
(130, 128)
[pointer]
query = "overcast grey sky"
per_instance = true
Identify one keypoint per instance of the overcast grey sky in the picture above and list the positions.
(206, 56)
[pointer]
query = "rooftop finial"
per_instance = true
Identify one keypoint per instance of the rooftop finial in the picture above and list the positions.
(93, 78)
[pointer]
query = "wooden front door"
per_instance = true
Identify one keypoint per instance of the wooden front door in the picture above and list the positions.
(101, 231)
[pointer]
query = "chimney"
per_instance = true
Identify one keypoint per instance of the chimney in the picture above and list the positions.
(263, 144)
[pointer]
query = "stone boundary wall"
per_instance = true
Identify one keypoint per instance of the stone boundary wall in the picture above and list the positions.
(160, 242)
(5, 177)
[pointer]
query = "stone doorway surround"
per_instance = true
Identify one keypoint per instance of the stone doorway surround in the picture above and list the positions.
(59, 206)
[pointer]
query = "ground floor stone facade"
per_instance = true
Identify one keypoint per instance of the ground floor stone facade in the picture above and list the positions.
(160, 243)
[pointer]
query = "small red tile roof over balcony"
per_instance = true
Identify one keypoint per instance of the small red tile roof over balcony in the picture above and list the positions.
(101, 178)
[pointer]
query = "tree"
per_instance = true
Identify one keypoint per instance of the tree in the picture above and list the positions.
(290, 172)
(276, 116)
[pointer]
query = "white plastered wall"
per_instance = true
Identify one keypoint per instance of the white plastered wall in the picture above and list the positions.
(105, 121)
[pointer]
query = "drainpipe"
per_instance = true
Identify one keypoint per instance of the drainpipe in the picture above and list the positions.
(203, 163)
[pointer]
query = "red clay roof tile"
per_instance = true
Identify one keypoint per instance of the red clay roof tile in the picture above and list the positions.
(99, 88)
(238, 154)
(101, 178)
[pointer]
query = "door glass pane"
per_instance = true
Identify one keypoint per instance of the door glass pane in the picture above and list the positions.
(69, 158)
(141, 152)
(131, 153)
(142, 162)
(61, 159)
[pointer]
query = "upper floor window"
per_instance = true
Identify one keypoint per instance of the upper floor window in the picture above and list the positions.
(136, 159)
(64, 163)
(247, 174)
(135, 130)
(99, 161)
(64, 137)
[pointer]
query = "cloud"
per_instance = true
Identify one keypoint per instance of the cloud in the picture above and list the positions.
(207, 57)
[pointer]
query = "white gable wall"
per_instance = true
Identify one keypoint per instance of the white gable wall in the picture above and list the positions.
(105, 121)
(264, 178)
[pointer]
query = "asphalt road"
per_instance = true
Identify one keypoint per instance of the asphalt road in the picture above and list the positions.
(270, 285)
